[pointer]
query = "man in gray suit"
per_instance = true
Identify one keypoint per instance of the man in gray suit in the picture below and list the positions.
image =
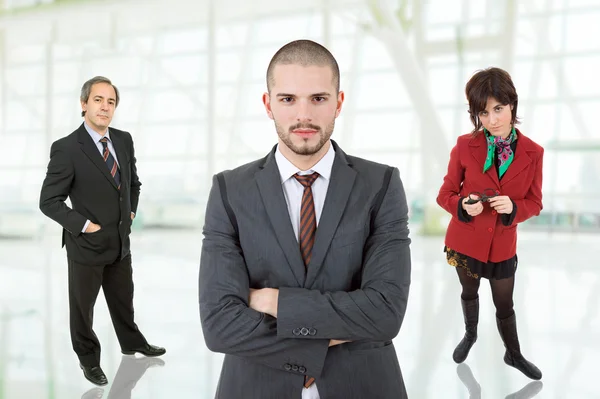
(305, 266)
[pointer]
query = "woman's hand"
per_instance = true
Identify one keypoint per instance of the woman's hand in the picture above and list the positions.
(502, 204)
(472, 209)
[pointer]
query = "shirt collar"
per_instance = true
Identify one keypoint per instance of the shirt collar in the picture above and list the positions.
(323, 167)
(95, 135)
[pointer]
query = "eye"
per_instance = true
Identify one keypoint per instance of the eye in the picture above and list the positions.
(483, 113)
(498, 109)
(319, 99)
(286, 99)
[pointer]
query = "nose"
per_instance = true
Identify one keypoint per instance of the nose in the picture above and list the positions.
(493, 119)
(303, 114)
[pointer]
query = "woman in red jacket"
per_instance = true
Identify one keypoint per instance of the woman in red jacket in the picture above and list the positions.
(494, 182)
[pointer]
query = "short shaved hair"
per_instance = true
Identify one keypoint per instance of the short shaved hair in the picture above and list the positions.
(305, 53)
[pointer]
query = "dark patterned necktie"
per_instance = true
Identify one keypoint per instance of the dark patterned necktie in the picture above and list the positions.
(308, 217)
(308, 230)
(113, 168)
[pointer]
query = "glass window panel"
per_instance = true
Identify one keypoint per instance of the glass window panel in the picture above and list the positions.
(26, 113)
(376, 90)
(178, 41)
(383, 130)
(282, 30)
(181, 70)
(26, 80)
(235, 35)
(173, 105)
(258, 136)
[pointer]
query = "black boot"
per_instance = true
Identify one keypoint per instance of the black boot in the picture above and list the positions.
(471, 315)
(513, 357)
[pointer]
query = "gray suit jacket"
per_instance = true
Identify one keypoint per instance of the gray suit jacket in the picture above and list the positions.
(355, 288)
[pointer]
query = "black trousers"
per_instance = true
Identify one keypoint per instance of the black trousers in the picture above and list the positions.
(84, 284)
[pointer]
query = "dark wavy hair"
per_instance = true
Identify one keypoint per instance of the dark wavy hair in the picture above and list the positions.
(486, 83)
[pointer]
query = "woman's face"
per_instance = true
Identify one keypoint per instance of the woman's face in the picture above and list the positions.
(497, 118)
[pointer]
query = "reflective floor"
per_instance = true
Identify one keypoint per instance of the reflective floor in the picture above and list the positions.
(557, 300)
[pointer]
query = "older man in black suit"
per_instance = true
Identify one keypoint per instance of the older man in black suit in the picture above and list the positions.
(95, 168)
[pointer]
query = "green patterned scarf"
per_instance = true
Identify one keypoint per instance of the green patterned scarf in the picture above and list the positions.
(500, 148)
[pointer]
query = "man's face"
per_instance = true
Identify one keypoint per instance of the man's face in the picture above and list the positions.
(100, 106)
(304, 104)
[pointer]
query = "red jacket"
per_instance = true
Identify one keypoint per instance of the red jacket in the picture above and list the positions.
(485, 237)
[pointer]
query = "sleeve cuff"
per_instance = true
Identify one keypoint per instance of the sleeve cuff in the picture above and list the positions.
(508, 219)
(85, 226)
(462, 215)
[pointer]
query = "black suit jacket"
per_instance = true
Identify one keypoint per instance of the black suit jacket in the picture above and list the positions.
(77, 170)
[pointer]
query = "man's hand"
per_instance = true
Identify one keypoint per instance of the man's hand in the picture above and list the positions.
(502, 204)
(92, 228)
(264, 300)
(132, 216)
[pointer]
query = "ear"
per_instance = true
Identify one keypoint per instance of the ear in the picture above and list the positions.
(266, 99)
(340, 100)
(83, 106)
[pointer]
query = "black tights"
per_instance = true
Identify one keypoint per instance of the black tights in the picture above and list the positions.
(502, 292)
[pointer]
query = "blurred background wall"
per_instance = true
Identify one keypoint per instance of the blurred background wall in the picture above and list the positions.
(191, 76)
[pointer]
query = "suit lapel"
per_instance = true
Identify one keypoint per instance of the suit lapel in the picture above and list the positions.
(338, 193)
(89, 148)
(521, 160)
(269, 184)
(478, 147)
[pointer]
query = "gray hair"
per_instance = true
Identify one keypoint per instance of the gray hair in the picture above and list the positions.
(86, 89)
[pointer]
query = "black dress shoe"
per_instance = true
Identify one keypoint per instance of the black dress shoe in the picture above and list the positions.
(148, 350)
(95, 375)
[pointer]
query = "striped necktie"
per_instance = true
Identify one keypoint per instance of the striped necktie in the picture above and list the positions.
(308, 229)
(113, 168)
(308, 217)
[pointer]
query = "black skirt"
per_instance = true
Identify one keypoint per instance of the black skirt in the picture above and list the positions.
(477, 269)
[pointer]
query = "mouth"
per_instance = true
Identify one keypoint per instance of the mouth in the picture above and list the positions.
(305, 133)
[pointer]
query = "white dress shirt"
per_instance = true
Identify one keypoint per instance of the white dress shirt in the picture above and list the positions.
(97, 137)
(293, 190)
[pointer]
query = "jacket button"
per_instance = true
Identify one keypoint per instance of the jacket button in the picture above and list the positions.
(490, 229)
(304, 331)
(312, 331)
(296, 331)
(302, 369)
(494, 212)
(287, 366)
(294, 368)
